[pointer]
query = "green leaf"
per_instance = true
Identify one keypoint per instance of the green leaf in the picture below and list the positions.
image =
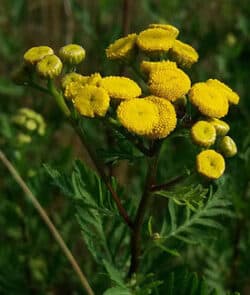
(114, 274)
(117, 291)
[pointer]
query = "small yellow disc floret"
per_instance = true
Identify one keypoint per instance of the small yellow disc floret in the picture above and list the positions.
(210, 164)
(122, 47)
(173, 31)
(139, 116)
(155, 40)
(169, 83)
(91, 100)
(94, 79)
(35, 54)
(232, 97)
(73, 77)
(203, 133)
(49, 67)
(148, 66)
(184, 54)
(72, 54)
(210, 101)
(120, 87)
(220, 126)
(167, 121)
(72, 89)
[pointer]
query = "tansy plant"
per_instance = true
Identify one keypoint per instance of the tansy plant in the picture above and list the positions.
(162, 104)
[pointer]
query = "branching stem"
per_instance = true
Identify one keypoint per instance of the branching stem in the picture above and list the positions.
(141, 211)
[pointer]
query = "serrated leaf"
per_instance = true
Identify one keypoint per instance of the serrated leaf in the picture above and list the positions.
(113, 273)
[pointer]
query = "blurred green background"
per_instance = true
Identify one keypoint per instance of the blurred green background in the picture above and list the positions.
(30, 261)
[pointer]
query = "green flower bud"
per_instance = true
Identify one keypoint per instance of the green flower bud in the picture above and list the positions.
(220, 126)
(72, 54)
(156, 236)
(49, 67)
(227, 147)
(23, 138)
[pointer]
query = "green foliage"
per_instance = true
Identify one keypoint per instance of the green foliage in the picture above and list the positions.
(209, 233)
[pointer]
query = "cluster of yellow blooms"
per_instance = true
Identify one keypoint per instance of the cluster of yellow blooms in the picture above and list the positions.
(151, 112)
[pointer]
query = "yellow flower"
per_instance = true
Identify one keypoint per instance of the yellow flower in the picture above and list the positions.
(138, 115)
(167, 121)
(120, 87)
(49, 67)
(73, 77)
(210, 101)
(94, 79)
(91, 100)
(203, 133)
(148, 66)
(169, 83)
(183, 54)
(72, 54)
(210, 164)
(72, 89)
(227, 147)
(173, 31)
(155, 40)
(232, 96)
(220, 126)
(122, 47)
(35, 54)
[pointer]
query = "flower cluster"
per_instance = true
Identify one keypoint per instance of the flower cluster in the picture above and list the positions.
(149, 107)
(28, 123)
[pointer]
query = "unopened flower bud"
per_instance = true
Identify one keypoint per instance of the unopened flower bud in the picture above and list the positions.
(220, 126)
(156, 236)
(228, 147)
(72, 54)
(35, 54)
(23, 138)
(49, 67)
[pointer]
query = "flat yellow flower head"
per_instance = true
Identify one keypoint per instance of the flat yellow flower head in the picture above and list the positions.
(72, 54)
(120, 87)
(167, 121)
(169, 83)
(203, 133)
(172, 31)
(210, 101)
(155, 40)
(138, 115)
(184, 54)
(122, 47)
(227, 147)
(232, 97)
(35, 54)
(92, 101)
(94, 79)
(73, 77)
(72, 89)
(220, 126)
(148, 66)
(49, 67)
(210, 164)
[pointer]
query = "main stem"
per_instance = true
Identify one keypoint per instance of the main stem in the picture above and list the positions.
(141, 211)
